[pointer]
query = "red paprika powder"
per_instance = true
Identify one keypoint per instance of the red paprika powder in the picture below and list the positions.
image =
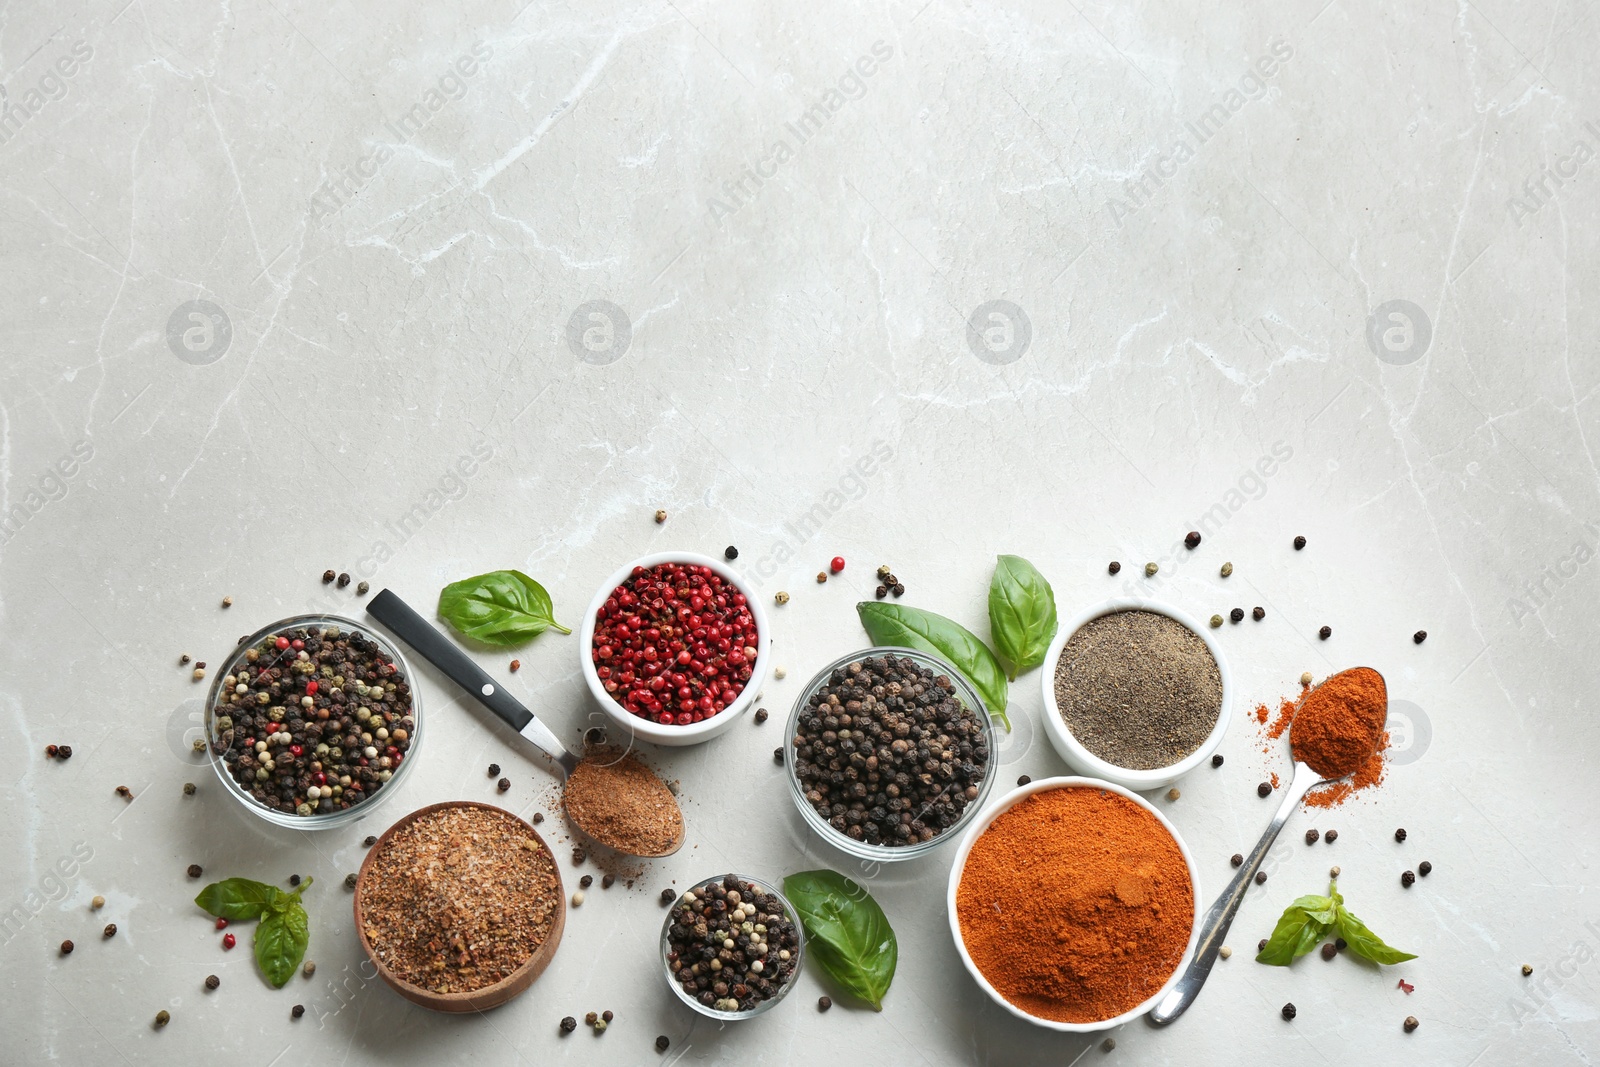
(1076, 904)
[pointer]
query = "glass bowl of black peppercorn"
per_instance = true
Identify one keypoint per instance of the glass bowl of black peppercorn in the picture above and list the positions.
(313, 721)
(752, 965)
(889, 753)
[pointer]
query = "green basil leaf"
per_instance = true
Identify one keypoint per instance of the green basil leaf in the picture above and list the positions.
(1022, 614)
(1298, 931)
(1365, 943)
(896, 624)
(847, 933)
(237, 899)
(280, 943)
(499, 608)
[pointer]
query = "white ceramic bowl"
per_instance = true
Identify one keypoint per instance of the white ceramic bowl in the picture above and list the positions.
(706, 729)
(1005, 804)
(1081, 759)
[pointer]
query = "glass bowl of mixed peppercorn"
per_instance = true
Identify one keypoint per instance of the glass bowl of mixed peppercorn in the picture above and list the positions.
(732, 947)
(889, 753)
(312, 721)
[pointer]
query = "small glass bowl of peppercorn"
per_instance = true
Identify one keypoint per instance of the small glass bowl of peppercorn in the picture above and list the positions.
(889, 753)
(732, 947)
(673, 649)
(312, 721)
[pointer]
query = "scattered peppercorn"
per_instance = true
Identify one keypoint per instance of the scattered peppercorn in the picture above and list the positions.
(1305, 678)
(600, 1027)
(1235, 614)
(195, 871)
(1288, 1011)
(1216, 621)
(1264, 789)
(188, 789)
(227, 601)
(503, 784)
(1333, 872)
(1410, 1024)
(327, 576)
(309, 969)
(1311, 837)
(661, 516)
(1225, 952)
(1258, 613)
(662, 1043)
(607, 1016)
(1400, 834)
(822, 576)
(1237, 860)
(1325, 633)
(124, 792)
(1424, 868)
(1408, 879)
(578, 855)
(777, 756)
(899, 589)
(98, 902)
(1340, 944)
(1526, 970)
(1113, 567)
(350, 880)
(667, 897)
(361, 589)
(1261, 878)
(516, 665)
(294, 879)
(1173, 794)
(163, 1017)
(297, 1011)
(1299, 543)
(836, 564)
(494, 770)
(538, 817)
(1331, 836)
(344, 579)
(370, 841)
(1328, 951)
(824, 1003)
(109, 931)
(780, 597)
(1109, 1043)
(183, 659)
(730, 553)
(1150, 570)
(212, 981)
(1216, 761)
(577, 899)
(50, 751)
(761, 716)
(591, 1018)
(570, 1024)
(66, 948)
(1420, 636)
(608, 881)
(884, 570)
(1191, 539)
(1261, 946)
(1023, 779)
(586, 881)
(222, 924)
(1227, 569)
(881, 592)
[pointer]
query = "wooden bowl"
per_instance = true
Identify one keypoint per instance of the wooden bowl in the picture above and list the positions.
(490, 996)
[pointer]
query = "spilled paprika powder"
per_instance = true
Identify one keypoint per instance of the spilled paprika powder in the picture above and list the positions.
(1337, 729)
(1075, 904)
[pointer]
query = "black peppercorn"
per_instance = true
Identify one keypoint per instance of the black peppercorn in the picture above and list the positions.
(344, 579)
(662, 1043)
(1258, 613)
(195, 871)
(1420, 636)
(881, 592)
(1114, 567)
(1424, 868)
(1264, 789)
(1236, 614)
(1325, 633)
(730, 552)
(1191, 539)
(66, 948)
(568, 1025)
(578, 855)
(1261, 946)
(494, 770)
(608, 881)
(1331, 836)
(761, 716)
(110, 930)
(1400, 834)
(350, 880)
(899, 589)
(1311, 837)
(1237, 860)
(503, 784)
(1407, 879)
(777, 756)
(370, 841)
(667, 897)
(1410, 1024)
(586, 881)
(1023, 779)
(1216, 761)
(1261, 878)
(64, 752)
(1340, 944)
(538, 817)
(212, 981)
(1328, 951)
(1299, 543)
(327, 576)
(824, 1003)
(1288, 1011)
(297, 1011)
(294, 879)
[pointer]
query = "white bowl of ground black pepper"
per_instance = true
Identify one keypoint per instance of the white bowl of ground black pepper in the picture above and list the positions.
(1135, 692)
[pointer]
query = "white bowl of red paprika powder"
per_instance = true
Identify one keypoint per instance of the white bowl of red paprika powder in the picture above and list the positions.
(1074, 904)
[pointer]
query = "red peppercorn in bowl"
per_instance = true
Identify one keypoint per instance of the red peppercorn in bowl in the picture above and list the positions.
(673, 649)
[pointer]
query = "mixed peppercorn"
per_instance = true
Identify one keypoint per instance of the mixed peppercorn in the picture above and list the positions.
(313, 720)
(731, 945)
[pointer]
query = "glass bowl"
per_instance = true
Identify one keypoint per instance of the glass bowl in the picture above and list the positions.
(765, 1005)
(330, 820)
(889, 853)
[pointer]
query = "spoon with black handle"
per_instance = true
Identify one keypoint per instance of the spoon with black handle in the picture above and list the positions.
(433, 646)
(1214, 926)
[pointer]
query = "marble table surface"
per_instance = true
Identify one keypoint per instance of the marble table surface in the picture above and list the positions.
(417, 291)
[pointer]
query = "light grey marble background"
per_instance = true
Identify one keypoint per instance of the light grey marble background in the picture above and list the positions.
(269, 268)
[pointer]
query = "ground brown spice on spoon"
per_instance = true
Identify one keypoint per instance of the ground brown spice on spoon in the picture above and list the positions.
(619, 802)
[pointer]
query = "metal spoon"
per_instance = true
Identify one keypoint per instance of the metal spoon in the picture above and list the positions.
(432, 645)
(1214, 927)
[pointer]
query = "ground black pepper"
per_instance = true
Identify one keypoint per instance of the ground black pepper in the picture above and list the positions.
(887, 754)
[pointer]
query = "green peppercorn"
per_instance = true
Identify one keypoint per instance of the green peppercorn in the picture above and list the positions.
(1227, 569)
(1150, 570)
(163, 1017)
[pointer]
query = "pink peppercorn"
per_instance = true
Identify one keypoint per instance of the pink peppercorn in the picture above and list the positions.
(282, 642)
(837, 565)
(228, 941)
(222, 924)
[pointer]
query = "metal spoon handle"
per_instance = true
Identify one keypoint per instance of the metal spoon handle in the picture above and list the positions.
(1214, 927)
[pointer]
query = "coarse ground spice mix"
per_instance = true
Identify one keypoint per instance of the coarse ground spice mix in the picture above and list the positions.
(459, 898)
(1076, 904)
(618, 801)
